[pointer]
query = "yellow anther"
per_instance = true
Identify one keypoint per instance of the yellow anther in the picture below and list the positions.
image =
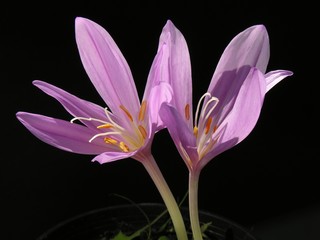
(123, 108)
(208, 125)
(195, 131)
(187, 111)
(107, 125)
(110, 140)
(143, 131)
(124, 147)
(142, 111)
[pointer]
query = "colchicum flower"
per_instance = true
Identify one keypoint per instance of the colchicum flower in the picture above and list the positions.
(227, 112)
(128, 128)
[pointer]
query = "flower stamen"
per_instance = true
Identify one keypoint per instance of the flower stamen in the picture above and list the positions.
(126, 111)
(124, 147)
(212, 99)
(110, 140)
(87, 119)
(106, 125)
(208, 125)
(195, 131)
(187, 111)
(103, 134)
(198, 107)
(142, 110)
(143, 131)
(111, 121)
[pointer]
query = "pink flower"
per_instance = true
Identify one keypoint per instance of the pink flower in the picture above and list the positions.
(232, 103)
(226, 113)
(125, 131)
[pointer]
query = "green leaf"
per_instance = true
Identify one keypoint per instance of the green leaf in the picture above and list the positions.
(163, 238)
(121, 236)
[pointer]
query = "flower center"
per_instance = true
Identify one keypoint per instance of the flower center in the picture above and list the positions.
(204, 124)
(127, 138)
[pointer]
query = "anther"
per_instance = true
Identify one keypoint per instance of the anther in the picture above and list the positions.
(124, 147)
(143, 131)
(208, 125)
(142, 110)
(110, 140)
(195, 131)
(106, 125)
(123, 108)
(187, 111)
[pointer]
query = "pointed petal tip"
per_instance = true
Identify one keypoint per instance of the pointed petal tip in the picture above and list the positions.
(289, 73)
(81, 21)
(37, 82)
(257, 29)
(18, 114)
(169, 22)
(21, 116)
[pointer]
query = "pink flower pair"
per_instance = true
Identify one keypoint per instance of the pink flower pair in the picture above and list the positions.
(224, 116)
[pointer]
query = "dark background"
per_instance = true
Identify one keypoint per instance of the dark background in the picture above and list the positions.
(272, 173)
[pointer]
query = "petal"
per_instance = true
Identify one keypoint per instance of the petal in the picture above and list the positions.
(249, 48)
(244, 113)
(106, 66)
(62, 134)
(159, 71)
(226, 90)
(179, 68)
(107, 157)
(157, 88)
(74, 105)
(276, 76)
(159, 94)
(180, 132)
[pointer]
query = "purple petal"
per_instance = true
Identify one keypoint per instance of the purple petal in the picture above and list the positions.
(159, 71)
(275, 77)
(180, 68)
(179, 131)
(106, 66)
(74, 105)
(157, 88)
(107, 157)
(159, 94)
(62, 134)
(244, 113)
(249, 48)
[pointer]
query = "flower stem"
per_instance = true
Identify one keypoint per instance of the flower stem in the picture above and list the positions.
(165, 192)
(193, 204)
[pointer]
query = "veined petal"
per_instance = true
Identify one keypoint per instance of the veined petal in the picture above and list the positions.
(276, 76)
(179, 69)
(106, 66)
(244, 113)
(107, 157)
(75, 106)
(249, 48)
(62, 134)
(180, 133)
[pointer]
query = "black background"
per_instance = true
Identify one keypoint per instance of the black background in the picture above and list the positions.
(274, 171)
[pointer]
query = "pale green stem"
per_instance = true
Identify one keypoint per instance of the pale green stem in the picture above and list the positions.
(165, 192)
(193, 204)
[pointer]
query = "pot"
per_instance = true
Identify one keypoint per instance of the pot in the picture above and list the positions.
(105, 223)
